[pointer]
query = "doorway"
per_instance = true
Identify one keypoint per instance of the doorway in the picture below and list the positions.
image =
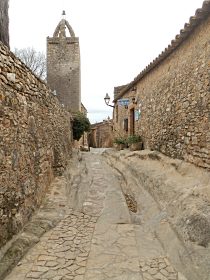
(132, 122)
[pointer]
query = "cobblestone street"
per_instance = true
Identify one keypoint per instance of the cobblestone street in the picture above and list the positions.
(96, 238)
(113, 187)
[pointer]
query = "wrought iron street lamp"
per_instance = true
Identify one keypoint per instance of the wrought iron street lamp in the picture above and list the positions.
(107, 100)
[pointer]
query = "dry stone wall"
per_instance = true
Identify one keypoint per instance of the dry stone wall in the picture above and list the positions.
(176, 101)
(35, 142)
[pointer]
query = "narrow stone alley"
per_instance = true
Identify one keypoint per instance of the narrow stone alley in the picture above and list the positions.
(99, 233)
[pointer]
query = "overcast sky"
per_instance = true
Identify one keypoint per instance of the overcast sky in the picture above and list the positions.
(118, 38)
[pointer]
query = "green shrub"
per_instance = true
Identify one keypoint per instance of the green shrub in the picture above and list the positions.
(134, 139)
(80, 125)
(120, 140)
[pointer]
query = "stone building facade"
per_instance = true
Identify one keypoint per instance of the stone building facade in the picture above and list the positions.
(4, 22)
(63, 66)
(169, 101)
(101, 135)
(35, 142)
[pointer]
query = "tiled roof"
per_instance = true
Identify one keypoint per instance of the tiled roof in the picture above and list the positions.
(195, 20)
(118, 89)
(104, 122)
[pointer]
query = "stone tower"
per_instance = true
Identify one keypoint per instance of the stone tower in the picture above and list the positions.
(4, 22)
(63, 66)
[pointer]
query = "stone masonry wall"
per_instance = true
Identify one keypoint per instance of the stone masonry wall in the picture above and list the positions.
(35, 142)
(174, 101)
(101, 135)
(121, 115)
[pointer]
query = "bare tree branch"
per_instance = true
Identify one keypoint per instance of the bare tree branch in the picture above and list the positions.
(35, 60)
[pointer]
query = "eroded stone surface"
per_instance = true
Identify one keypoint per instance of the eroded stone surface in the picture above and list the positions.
(97, 239)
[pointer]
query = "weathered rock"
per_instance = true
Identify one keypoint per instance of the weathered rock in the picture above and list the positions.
(182, 194)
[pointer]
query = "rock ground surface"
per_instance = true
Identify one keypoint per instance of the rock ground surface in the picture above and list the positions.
(97, 231)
